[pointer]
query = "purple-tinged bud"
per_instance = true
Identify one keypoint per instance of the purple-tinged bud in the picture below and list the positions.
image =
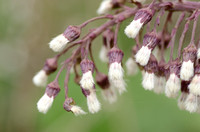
(70, 34)
(51, 65)
(116, 71)
(189, 57)
(194, 86)
(173, 84)
(142, 17)
(149, 43)
(69, 105)
(102, 80)
(87, 68)
(149, 77)
(45, 103)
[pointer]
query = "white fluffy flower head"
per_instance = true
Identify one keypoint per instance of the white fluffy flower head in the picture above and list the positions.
(105, 7)
(58, 43)
(181, 100)
(194, 86)
(198, 53)
(109, 94)
(87, 80)
(143, 55)
(45, 103)
(173, 86)
(133, 28)
(160, 85)
(103, 54)
(77, 110)
(187, 70)
(191, 103)
(131, 67)
(148, 81)
(40, 79)
(93, 103)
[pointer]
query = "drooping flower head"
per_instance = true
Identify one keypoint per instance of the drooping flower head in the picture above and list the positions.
(70, 34)
(116, 71)
(184, 94)
(45, 103)
(189, 57)
(142, 17)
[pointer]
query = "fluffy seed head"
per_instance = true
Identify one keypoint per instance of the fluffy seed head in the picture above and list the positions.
(194, 86)
(77, 110)
(45, 103)
(58, 43)
(187, 70)
(160, 84)
(143, 55)
(109, 94)
(148, 81)
(173, 86)
(131, 66)
(133, 28)
(103, 54)
(191, 103)
(181, 100)
(40, 79)
(93, 103)
(198, 53)
(105, 7)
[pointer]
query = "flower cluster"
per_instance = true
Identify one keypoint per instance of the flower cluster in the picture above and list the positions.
(177, 75)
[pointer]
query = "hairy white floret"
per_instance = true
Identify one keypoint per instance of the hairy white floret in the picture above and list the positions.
(160, 85)
(131, 66)
(198, 53)
(173, 86)
(191, 103)
(58, 43)
(45, 103)
(148, 81)
(187, 70)
(87, 81)
(77, 110)
(40, 79)
(93, 103)
(143, 55)
(133, 28)
(140, 1)
(194, 86)
(105, 7)
(103, 54)
(109, 95)
(181, 100)
(115, 76)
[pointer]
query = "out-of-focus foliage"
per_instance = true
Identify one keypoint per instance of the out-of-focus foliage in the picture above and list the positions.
(26, 26)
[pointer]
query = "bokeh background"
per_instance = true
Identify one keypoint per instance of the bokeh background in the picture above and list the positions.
(26, 27)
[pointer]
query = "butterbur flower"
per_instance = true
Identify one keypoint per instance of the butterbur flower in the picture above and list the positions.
(189, 57)
(103, 54)
(92, 102)
(40, 79)
(191, 103)
(142, 17)
(149, 78)
(131, 66)
(45, 103)
(194, 86)
(149, 42)
(87, 68)
(108, 91)
(173, 84)
(116, 71)
(69, 105)
(58, 43)
(184, 94)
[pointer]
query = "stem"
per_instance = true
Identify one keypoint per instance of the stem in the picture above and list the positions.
(182, 38)
(92, 58)
(194, 29)
(173, 34)
(94, 19)
(161, 13)
(66, 81)
(116, 34)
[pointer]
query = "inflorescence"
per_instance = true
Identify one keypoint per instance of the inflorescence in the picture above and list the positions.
(179, 74)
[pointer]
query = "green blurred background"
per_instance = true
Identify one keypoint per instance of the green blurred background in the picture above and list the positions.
(26, 27)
